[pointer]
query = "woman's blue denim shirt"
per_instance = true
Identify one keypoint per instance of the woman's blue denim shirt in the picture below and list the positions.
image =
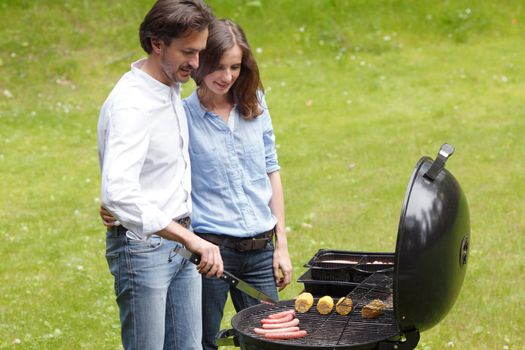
(231, 190)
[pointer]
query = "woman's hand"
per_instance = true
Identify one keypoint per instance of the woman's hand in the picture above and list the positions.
(282, 265)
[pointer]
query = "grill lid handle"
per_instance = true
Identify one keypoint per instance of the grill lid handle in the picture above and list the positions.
(444, 153)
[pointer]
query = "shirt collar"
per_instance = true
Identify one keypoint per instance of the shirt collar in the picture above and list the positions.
(195, 103)
(193, 99)
(153, 83)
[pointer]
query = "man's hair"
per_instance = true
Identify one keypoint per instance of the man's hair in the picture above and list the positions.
(171, 19)
(222, 36)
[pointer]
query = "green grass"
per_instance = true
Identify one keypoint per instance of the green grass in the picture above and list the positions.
(358, 91)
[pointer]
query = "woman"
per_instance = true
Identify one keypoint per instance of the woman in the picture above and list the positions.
(237, 194)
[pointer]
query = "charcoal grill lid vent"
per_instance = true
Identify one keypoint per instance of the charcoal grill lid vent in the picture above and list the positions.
(432, 245)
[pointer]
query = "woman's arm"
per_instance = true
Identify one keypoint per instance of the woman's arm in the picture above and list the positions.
(282, 265)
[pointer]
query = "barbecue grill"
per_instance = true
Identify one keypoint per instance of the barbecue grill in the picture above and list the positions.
(429, 267)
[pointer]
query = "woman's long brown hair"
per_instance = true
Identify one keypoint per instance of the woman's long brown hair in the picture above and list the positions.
(224, 35)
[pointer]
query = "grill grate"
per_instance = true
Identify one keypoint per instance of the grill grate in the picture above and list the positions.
(335, 329)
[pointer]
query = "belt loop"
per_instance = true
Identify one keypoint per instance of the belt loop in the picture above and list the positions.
(119, 230)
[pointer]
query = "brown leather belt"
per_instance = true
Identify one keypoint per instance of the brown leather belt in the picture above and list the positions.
(240, 244)
(121, 230)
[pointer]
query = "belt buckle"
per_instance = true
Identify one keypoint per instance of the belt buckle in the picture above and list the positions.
(245, 245)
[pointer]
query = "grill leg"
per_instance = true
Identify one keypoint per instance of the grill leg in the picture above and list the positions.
(410, 342)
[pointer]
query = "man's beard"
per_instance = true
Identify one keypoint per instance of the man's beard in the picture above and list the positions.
(171, 73)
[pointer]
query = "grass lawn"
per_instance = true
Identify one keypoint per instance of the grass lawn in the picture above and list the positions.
(358, 92)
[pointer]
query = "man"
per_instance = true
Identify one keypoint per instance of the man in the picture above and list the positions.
(146, 184)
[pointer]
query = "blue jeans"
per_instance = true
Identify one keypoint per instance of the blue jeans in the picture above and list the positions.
(254, 267)
(159, 301)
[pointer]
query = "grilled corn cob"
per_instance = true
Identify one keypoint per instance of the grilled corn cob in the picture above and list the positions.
(373, 309)
(325, 305)
(344, 306)
(304, 302)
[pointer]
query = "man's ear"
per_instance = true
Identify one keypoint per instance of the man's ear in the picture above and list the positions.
(156, 44)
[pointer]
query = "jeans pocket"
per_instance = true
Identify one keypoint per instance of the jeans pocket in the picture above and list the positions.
(113, 263)
(136, 246)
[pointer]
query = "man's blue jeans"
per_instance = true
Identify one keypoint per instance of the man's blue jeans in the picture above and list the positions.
(254, 267)
(159, 301)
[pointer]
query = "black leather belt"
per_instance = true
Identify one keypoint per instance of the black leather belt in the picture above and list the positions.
(240, 244)
(121, 230)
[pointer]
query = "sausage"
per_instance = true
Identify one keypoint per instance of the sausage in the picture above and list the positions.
(291, 323)
(286, 318)
(287, 335)
(281, 314)
(263, 331)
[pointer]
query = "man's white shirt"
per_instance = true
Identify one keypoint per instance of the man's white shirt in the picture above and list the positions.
(143, 154)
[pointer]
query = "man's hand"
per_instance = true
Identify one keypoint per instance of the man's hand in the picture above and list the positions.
(107, 218)
(282, 265)
(211, 260)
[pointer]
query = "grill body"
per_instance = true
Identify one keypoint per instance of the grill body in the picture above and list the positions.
(429, 266)
(324, 331)
(332, 331)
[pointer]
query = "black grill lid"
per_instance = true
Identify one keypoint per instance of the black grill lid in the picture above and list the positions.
(432, 245)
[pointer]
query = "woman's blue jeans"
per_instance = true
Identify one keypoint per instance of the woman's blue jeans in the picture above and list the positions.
(254, 267)
(159, 301)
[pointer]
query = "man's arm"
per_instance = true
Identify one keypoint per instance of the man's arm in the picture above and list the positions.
(211, 260)
(125, 148)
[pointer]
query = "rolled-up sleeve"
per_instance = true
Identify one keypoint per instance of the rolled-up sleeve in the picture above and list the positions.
(272, 163)
(126, 146)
